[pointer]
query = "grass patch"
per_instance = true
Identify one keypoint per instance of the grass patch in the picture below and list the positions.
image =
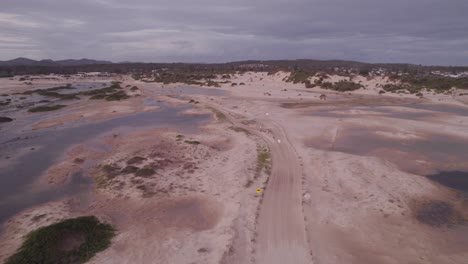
(414, 83)
(78, 160)
(341, 86)
(187, 77)
(45, 91)
(110, 93)
(263, 164)
(117, 96)
(74, 240)
(192, 142)
(145, 172)
(58, 95)
(299, 105)
(136, 160)
(110, 171)
(299, 76)
(46, 108)
(219, 115)
(240, 130)
(4, 119)
(438, 214)
(263, 160)
(51, 92)
(129, 169)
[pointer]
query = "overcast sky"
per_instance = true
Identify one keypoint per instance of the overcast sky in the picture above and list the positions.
(416, 31)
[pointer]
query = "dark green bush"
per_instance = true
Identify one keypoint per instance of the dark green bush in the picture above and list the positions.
(145, 172)
(45, 108)
(74, 240)
(344, 86)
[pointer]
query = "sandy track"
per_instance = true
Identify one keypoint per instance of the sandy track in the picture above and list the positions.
(281, 227)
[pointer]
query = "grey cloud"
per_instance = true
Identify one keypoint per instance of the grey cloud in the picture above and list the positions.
(417, 31)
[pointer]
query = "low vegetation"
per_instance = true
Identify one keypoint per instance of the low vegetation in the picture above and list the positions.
(263, 160)
(219, 115)
(341, 86)
(129, 169)
(4, 119)
(145, 172)
(51, 92)
(110, 170)
(38, 91)
(415, 83)
(438, 214)
(240, 130)
(46, 108)
(110, 93)
(192, 142)
(74, 240)
(434, 82)
(136, 160)
(4, 103)
(304, 76)
(187, 76)
(299, 76)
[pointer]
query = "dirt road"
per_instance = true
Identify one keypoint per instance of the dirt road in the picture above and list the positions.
(281, 234)
(281, 227)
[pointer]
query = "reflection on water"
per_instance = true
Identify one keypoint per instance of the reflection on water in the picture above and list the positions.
(78, 184)
(402, 112)
(443, 157)
(416, 155)
(457, 110)
(16, 176)
(454, 179)
(191, 90)
(372, 111)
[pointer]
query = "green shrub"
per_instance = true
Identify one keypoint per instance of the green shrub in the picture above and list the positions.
(45, 108)
(192, 142)
(308, 84)
(145, 172)
(326, 85)
(437, 83)
(219, 115)
(74, 240)
(129, 169)
(263, 160)
(45, 91)
(117, 96)
(299, 77)
(344, 86)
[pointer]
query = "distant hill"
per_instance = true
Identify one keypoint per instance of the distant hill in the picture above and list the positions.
(24, 66)
(29, 62)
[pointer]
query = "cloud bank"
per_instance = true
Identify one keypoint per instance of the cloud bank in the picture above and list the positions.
(418, 31)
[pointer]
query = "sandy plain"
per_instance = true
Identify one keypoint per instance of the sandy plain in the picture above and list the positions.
(347, 182)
